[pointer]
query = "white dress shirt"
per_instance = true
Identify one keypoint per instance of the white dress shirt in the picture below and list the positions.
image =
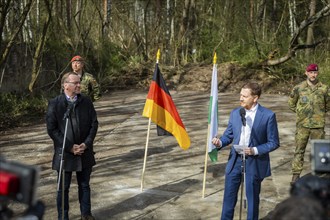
(246, 130)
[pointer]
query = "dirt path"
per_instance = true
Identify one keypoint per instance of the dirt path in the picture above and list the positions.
(173, 178)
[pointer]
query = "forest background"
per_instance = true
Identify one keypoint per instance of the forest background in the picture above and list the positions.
(269, 41)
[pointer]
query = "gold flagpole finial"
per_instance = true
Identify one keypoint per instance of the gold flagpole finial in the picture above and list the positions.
(158, 55)
(215, 58)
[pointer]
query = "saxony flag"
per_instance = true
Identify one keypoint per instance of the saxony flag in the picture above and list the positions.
(213, 115)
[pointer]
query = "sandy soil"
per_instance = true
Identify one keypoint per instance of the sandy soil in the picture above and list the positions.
(173, 178)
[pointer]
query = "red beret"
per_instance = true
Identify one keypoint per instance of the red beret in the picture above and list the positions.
(77, 58)
(312, 68)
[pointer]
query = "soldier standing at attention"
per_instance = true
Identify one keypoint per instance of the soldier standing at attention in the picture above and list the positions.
(89, 85)
(310, 100)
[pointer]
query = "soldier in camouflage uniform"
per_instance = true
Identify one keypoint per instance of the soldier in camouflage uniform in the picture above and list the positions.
(310, 100)
(89, 86)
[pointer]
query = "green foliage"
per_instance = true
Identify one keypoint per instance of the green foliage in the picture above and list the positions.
(323, 60)
(325, 74)
(295, 68)
(117, 48)
(107, 62)
(14, 108)
(112, 59)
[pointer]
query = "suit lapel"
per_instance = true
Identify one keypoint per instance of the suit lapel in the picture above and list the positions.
(258, 118)
(256, 123)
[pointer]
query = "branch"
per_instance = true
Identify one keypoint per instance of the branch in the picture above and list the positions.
(292, 52)
(321, 14)
(16, 31)
(294, 45)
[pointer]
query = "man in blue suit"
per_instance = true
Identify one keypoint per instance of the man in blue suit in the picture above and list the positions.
(254, 127)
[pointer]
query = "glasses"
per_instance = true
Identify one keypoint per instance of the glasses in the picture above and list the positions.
(74, 83)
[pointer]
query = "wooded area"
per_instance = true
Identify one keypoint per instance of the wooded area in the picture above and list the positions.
(39, 37)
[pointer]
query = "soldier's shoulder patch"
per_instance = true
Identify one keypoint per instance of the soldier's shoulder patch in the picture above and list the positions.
(304, 99)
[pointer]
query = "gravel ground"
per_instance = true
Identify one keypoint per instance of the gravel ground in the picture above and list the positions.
(173, 179)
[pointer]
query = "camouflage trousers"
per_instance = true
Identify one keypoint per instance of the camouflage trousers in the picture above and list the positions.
(301, 137)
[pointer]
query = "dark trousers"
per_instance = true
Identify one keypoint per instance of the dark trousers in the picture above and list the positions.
(83, 178)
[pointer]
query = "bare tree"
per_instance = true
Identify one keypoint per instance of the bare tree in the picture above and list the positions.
(310, 30)
(106, 16)
(37, 57)
(68, 13)
(292, 20)
(187, 31)
(16, 30)
(168, 30)
(294, 44)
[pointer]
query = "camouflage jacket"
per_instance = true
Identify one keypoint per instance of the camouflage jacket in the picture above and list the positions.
(89, 86)
(310, 104)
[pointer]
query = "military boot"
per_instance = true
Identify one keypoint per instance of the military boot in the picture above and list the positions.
(295, 177)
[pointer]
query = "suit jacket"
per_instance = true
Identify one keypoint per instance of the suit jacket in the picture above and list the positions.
(87, 125)
(264, 136)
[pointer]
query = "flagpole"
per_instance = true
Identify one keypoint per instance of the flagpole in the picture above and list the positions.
(147, 141)
(145, 155)
(207, 140)
(205, 162)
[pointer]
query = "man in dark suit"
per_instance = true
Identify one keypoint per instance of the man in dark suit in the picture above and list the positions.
(82, 127)
(256, 130)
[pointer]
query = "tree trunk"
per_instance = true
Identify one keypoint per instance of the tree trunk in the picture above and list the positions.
(39, 50)
(173, 34)
(191, 47)
(16, 32)
(292, 21)
(4, 13)
(106, 17)
(310, 30)
(294, 43)
(169, 13)
(68, 14)
(183, 33)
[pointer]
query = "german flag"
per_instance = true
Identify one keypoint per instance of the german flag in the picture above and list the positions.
(160, 108)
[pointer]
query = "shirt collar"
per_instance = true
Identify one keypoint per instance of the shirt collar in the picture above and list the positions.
(68, 98)
(253, 109)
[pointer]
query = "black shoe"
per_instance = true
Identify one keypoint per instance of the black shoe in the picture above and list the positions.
(87, 217)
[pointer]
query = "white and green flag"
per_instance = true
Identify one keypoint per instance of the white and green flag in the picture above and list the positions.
(213, 114)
